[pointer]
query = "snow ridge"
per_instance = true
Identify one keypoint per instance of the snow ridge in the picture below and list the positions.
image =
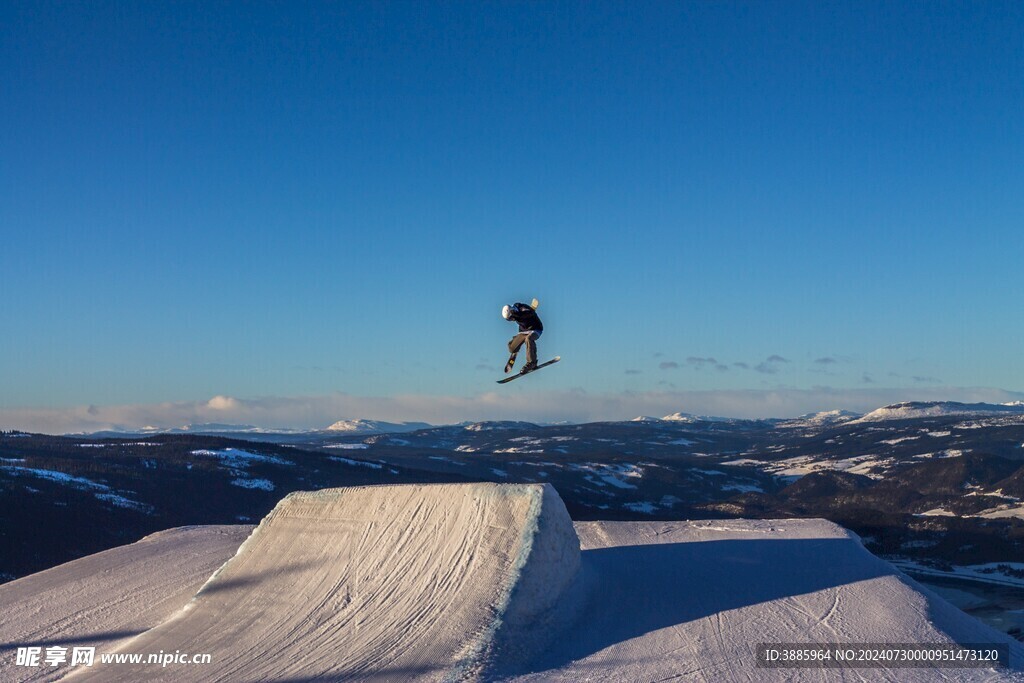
(915, 409)
(360, 426)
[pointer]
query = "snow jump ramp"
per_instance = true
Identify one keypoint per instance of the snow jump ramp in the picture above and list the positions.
(375, 583)
(486, 582)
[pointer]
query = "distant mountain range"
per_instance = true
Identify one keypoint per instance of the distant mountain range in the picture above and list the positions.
(896, 411)
(199, 428)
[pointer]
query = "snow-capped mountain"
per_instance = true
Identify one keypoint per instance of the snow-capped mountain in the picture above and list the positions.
(497, 425)
(916, 409)
(827, 417)
(360, 426)
(684, 418)
(687, 417)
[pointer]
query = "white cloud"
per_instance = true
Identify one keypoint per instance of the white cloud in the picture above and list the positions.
(316, 412)
(222, 403)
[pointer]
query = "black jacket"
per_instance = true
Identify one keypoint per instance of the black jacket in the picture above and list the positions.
(526, 317)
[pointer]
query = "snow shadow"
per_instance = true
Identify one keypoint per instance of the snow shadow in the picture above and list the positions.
(386, 673)
(251, 582)
(638, 589)
(95, 638)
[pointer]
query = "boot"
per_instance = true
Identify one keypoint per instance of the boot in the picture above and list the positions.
(510, 363)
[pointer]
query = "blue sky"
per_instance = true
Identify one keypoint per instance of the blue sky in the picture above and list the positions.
(309, 199)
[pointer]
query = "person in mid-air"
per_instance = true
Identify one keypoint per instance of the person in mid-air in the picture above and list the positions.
(530, 329)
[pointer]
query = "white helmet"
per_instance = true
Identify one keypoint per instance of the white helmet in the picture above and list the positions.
(506, 312)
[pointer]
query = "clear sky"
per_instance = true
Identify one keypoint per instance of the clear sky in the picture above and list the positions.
(290, 199)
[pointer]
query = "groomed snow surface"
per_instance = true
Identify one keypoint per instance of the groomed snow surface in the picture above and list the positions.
(455, 582)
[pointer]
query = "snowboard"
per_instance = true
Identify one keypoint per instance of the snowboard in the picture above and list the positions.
(521, 373)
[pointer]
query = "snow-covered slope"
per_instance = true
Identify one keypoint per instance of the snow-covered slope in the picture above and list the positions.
(105, 599)
(690, 601)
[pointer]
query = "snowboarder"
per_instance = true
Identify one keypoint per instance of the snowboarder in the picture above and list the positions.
(530, 329)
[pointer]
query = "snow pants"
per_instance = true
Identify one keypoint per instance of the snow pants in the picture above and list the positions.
(530, 339)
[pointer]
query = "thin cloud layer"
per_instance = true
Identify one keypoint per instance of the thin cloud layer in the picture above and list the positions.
(317, 412)
(771, 364)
